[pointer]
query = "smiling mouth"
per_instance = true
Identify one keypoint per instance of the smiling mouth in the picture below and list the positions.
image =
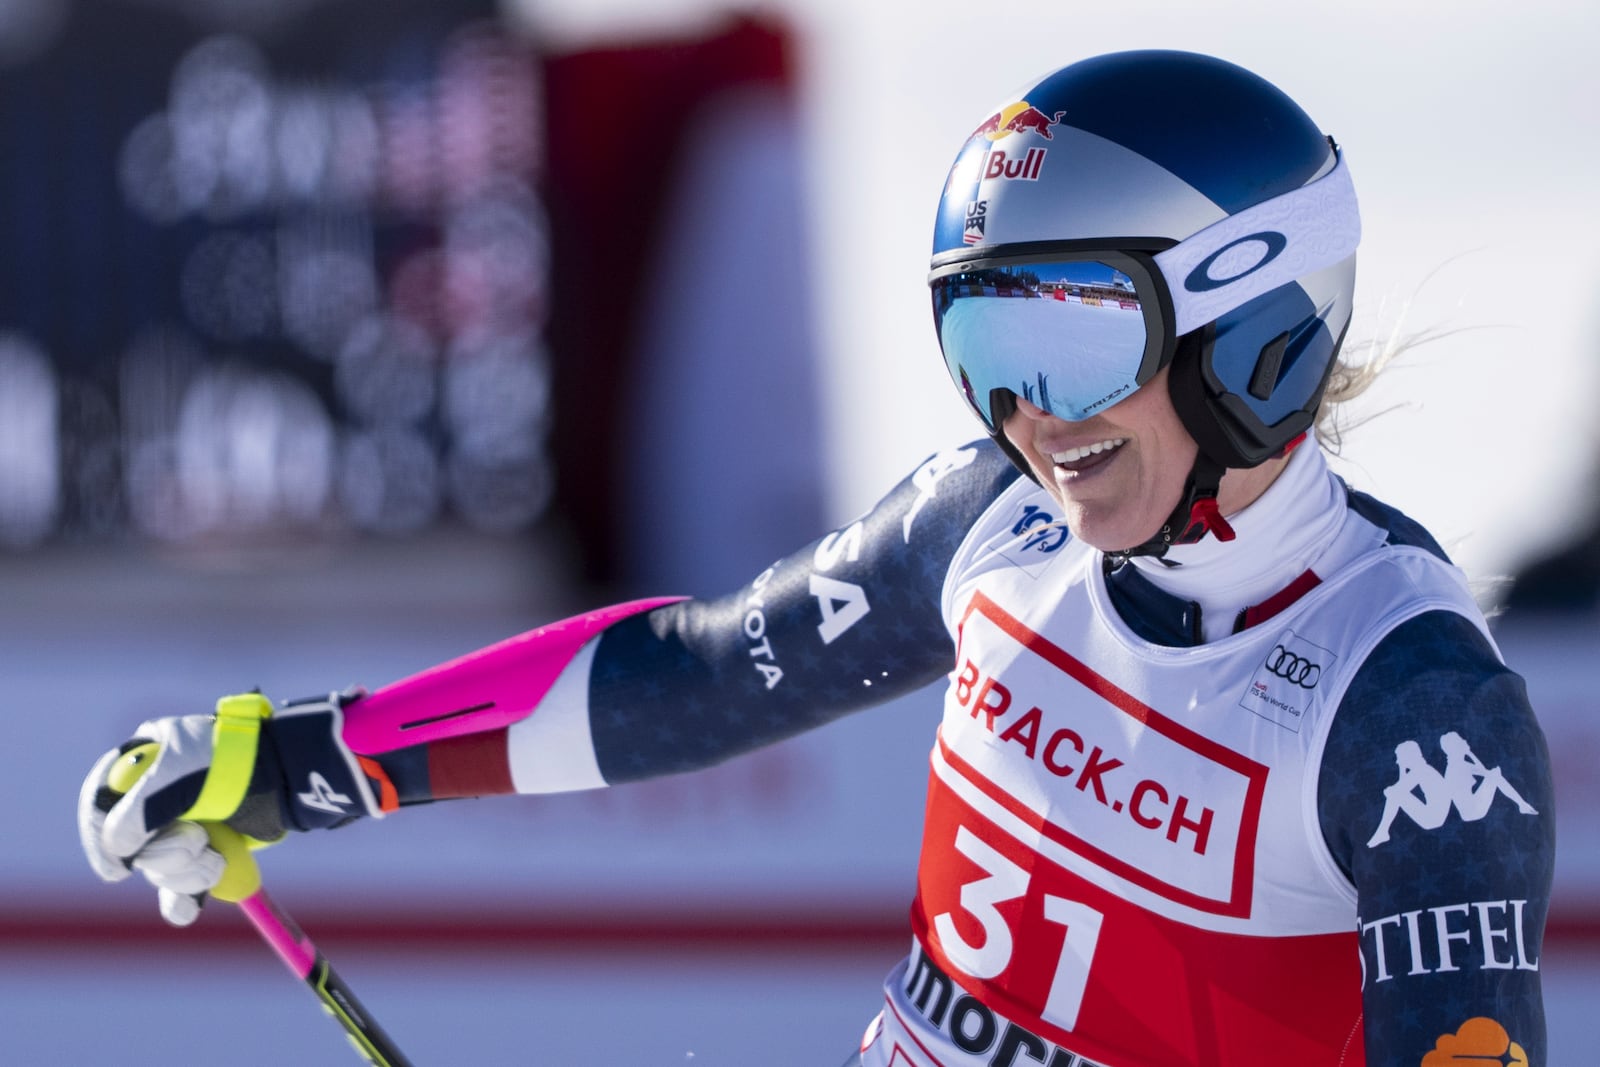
(1078, 459)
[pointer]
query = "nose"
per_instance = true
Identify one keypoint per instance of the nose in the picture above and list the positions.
(1032, 410)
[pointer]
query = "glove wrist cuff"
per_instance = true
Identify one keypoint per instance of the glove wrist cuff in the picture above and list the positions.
(235, 741)
(324, 783)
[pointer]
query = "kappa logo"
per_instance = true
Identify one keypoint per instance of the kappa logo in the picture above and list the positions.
(927, 479)
(323, 796)
(1427, 796)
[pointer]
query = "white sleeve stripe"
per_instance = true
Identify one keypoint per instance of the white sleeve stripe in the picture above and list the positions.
(552, 749)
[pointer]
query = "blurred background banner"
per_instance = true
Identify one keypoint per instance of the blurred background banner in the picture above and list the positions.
(378, 267)
(266, 280)
(342, 337)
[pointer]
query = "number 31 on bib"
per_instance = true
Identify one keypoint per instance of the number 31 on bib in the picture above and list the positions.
(1004, 880)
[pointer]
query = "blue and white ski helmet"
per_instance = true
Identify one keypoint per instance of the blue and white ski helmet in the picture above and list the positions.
(1143, 209)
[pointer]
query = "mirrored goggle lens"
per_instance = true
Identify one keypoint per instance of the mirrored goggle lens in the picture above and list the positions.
(1069, 336)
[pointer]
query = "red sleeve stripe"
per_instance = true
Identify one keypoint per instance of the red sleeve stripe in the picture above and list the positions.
(475, 765)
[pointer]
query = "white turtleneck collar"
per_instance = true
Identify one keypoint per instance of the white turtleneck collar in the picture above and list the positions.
(1279, 537)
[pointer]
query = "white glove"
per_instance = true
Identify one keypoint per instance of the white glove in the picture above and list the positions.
(177, 859)
(180, 862)
(138, 808)
(115, 826)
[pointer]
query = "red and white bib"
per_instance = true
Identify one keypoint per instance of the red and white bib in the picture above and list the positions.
(1122, 863)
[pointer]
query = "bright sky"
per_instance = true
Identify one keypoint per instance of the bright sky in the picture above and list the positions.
(1469, 129)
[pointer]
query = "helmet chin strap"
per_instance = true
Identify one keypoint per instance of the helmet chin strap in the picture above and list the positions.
(1196, 515)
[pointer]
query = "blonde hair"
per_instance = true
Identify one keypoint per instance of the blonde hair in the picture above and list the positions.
(1353, 374)
(1358, 366)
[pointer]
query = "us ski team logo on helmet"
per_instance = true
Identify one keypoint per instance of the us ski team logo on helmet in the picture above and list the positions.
(977, 214)
(1011, 162)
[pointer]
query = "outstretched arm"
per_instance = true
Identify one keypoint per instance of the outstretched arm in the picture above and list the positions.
(626, 692)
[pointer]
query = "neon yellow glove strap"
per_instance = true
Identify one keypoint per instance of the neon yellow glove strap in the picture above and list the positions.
(234, 740)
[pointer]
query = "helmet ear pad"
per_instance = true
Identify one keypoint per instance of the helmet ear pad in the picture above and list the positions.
(1247, 385)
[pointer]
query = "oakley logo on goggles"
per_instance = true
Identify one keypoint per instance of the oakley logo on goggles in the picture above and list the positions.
(1074, 326)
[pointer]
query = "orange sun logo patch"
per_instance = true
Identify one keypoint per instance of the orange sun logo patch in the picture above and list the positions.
(1480, 1042)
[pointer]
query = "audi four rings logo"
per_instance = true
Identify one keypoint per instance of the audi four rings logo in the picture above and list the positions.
(1293, 668)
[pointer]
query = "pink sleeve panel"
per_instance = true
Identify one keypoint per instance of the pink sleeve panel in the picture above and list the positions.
(485, 690)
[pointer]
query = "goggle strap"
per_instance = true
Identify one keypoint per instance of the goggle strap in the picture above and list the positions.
(1289, 236)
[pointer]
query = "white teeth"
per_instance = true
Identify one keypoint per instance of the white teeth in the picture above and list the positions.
(1072, 455)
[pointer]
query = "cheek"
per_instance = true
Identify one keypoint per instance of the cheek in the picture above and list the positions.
(1017, 434)
(1168, 452)
(1015, 430)
(1169, 469)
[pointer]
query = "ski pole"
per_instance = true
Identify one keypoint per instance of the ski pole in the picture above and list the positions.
(241, 885)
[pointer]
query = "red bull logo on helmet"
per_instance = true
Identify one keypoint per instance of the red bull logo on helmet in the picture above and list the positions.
(1021, 117)
(1007, 161)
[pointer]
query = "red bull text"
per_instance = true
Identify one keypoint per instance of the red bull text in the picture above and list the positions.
(999, 164)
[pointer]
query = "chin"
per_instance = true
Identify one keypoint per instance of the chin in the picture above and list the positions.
(1115, 544)
(1108, 532)
(1109, 517)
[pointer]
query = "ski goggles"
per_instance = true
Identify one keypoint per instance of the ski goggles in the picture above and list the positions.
(1074, 326)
